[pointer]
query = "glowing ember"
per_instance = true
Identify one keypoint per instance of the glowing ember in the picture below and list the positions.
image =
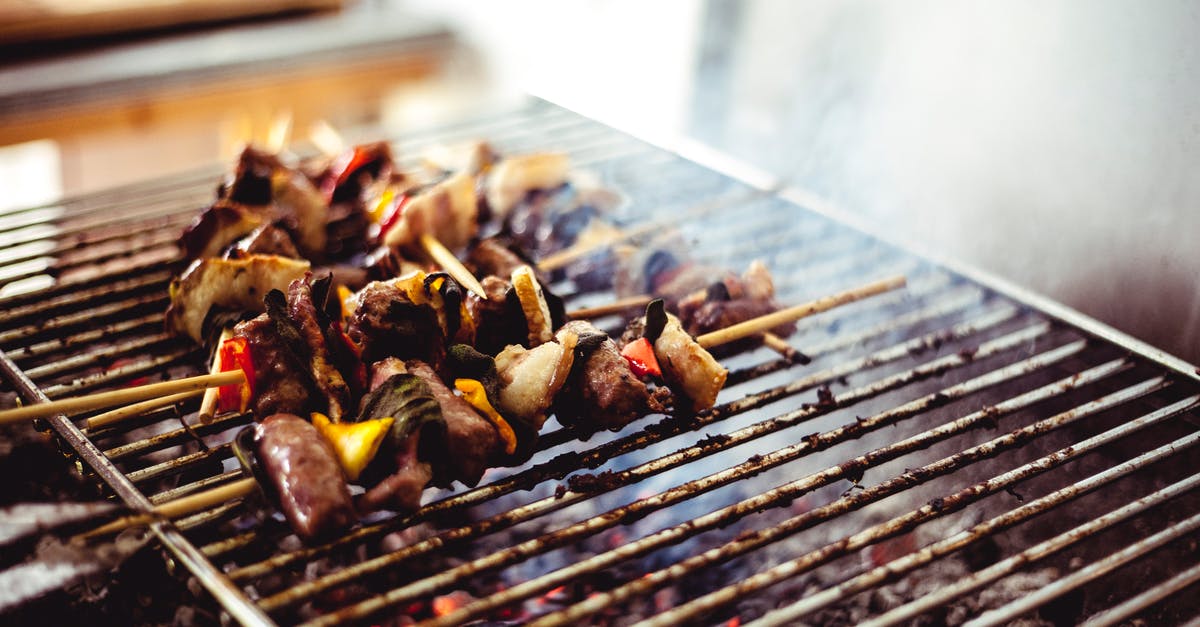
(449, 603)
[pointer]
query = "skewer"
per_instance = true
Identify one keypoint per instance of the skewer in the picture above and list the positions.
(451, 265)
(137, 409)
(617, 306)
(769, 321)
(755, 326)
(77, 404)
(208, 405)
(177, 508)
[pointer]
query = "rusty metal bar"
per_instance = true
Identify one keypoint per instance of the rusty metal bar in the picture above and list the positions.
(1132, 606)
(934, 509)
(782, 494)
(641, 507)
(899, 567)
(667, 428)
(97, 357)
(1092, 571)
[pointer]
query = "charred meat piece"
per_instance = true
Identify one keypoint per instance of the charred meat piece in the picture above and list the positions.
(387, 323)
(602, 392)
(472, 444)
(491, 256)
(216, 228)
(281, 384)
(312, 325)
(729, 301)
(496, 323)
(268, 190)
(306, 477)
(231, 284)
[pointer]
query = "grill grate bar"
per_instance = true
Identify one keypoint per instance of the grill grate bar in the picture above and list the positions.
(934, 509)
(221, 423)
(700, 450)
(795, 489)
(230, 596)
(670, 427)
(15, 314)
(120, 373)
(94, 358)
(912, 561)
(1139, 603)
(1096, 569)
(84, 338)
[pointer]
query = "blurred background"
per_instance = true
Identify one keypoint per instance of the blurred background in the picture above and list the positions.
(1051, 143)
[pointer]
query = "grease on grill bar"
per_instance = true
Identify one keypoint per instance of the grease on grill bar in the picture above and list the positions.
(948, 453)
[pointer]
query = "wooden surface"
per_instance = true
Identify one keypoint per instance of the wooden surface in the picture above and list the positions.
(33, 20)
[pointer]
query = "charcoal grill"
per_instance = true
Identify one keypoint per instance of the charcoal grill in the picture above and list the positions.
(958, 450)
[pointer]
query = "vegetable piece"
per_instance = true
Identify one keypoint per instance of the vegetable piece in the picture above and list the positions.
(533, 305)
(474, 393)
(234, 354)
(389, 218)
(355, 443)
(405, 398)
(656, 320)
(640, 355)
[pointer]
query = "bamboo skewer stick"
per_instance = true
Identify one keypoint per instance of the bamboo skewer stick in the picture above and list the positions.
(615, 307)
(77, 404)
(208, 405)
(137, 409)
(761, 324)
(451, 264)
(755, 326)
(179, 507)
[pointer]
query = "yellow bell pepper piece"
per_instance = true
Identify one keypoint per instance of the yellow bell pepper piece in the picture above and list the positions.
(355, 443)
(346, 297)
(474, 394)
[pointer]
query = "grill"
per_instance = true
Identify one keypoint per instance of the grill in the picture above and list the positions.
(960, 450)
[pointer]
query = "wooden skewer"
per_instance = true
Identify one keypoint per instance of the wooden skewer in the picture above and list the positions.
(112, 398)
(178, 507)
(760, 324)
(779, 345)
(451, 264)
(208, 405)
(617, 306)
(137, 409)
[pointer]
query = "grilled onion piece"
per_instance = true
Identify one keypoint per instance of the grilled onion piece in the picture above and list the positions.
(235, 284)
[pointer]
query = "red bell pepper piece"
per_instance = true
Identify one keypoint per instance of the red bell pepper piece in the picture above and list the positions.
(344, 167)
(234, 354)
(393, 217)
(640, 355)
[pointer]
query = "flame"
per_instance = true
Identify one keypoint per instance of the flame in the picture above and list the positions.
(733, 622)
(549, 596)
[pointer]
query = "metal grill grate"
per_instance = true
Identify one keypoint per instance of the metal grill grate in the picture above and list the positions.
(943, 441)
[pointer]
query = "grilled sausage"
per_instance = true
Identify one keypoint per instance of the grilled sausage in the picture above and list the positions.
(306, 476)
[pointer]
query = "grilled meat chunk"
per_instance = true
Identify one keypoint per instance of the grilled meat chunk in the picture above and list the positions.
(491, 257)
(322, 369)
(472, 444)
(603, 392)
(233, 284)
(280, 383)
(496, 325)
(306, 477)
(387, 323)
(217, 227)
(515, 176)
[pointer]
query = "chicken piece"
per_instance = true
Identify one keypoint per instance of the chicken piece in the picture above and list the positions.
(234, 284)
(531, 378)
(603, 392)
(448, 211)
(513, 177)
(687, 367)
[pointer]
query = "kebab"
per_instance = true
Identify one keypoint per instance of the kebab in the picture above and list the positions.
(518, 362)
